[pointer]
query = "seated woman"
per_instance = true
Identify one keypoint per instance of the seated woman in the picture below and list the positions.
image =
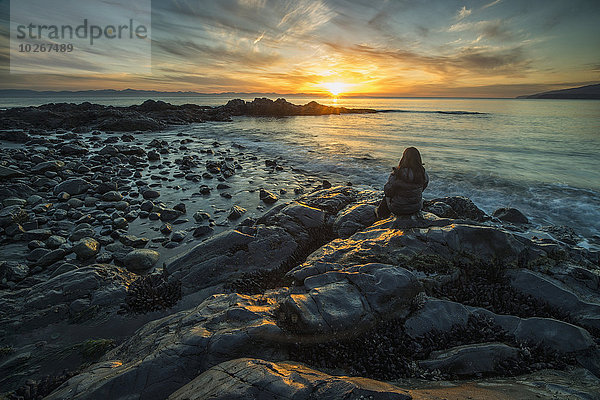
(404, 188)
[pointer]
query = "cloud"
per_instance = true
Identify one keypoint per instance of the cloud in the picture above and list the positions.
(493, 3)
(494, 30)
(463, 13)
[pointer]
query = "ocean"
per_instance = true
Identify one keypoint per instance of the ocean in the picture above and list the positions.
(539, 156)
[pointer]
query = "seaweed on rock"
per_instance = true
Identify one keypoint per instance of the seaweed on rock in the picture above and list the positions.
(38, 389)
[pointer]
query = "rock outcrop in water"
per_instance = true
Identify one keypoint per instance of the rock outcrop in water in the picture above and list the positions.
(149, 116)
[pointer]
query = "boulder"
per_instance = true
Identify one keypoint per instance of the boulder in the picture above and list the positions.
(460, 207)
(248, 378)
(510, 215)
(351, 298)
(72, 186)
(267, 197)
(141, 260)
(86, 248)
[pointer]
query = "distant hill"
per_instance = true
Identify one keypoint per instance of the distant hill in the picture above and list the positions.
(127, 93)
(583, 92)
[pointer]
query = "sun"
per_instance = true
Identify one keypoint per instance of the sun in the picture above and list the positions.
(335, 88)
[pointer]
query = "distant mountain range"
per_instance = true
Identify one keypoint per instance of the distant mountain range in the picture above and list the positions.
(582, 92)
(128, 93)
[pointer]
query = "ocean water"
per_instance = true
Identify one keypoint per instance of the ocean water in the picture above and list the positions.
(540, 156)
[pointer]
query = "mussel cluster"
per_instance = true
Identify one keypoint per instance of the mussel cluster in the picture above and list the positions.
(152, 293)
(387, 352)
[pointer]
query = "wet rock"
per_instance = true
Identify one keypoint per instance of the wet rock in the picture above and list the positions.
(169, 214)
(51, 257)
(86, 248)
(510, 215)
(12, 214)
(37, 234)
(166, 229)
(105, 187)
(236, 212)
(200, 216)
(267, 197)
(150, 194)
(14, 201)
(13, 271)
(460, 208)
(55, 241)
(9, 173)
(472, 359)
(133, 241)
(112, 196)
(353, 219)
(202, 231)
(351, 298)
(141, 260)
(72, 186)
(247, 378)
(178, 236)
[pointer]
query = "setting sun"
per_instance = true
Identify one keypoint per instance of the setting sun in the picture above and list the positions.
(335, 88)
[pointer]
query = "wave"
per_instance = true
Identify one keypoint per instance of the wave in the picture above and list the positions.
(434, 112)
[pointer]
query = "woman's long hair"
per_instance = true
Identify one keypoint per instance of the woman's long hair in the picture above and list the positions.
(411, 158)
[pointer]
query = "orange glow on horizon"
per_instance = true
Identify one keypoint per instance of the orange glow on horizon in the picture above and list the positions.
(336, 88)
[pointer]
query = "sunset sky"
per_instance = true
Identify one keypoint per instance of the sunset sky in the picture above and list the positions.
(495, 48)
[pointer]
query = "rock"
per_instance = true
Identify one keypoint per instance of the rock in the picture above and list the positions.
(12, 214)
(13, 201)
(53, 165)
(236, 212)
(169, 214)
(202, 231)
(472, 359)
(267, 197)
(326, 184)
(353, 219)
(120, 223)
(86, 248)
(247, 378)
(510, 215)
(180, 207)
(147, 206)
(153, 155)
(141, 260)
(51, 257)
(112, 196)
(37, 234)
(460, 208)
(200, 216)
(134, 241)
(13, 230)
(34, 200)
(72, 186)
(13, 271)
(105, 187)
(150, 194)
(178, 236)
(166, 229)
(9, 173)
(351, 298)
(558, 295)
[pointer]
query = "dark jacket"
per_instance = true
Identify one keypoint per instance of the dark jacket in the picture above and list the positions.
(403, 195)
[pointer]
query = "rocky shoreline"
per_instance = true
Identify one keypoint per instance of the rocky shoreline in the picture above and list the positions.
(172, 265)
(149, 116)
